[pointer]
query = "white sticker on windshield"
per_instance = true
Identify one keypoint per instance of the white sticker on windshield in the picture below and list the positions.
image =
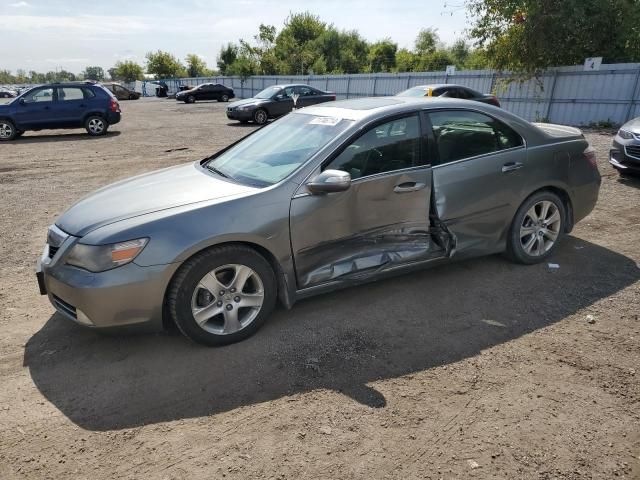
(330, 121)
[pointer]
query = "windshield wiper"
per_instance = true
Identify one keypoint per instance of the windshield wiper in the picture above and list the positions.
(215, 170)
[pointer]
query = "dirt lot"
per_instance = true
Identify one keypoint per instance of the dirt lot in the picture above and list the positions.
(480, 369)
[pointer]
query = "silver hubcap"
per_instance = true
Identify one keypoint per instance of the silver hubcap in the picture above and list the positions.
(225, 98)
(5, 130)
(227, 299)
(96, 125)
(261, 117)
(540, 228)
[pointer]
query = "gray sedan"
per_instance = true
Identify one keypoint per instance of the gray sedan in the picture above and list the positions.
(326, 197)
(625, 152)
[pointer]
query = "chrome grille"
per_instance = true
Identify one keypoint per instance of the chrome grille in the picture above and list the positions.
(633, 151)
(55, 239)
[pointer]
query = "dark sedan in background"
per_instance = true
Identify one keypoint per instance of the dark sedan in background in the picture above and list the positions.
(625, 152)
(450, 90)
(275, 101)
(206, 91)
(121, 92)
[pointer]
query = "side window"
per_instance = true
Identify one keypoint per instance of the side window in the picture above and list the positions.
(287, 92)
(391, 146)
(305, 91)
(88, 93)
(462, 134)
(66, 94)
(40, 95)
(464, 93)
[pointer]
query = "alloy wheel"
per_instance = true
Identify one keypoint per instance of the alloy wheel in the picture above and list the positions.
(260, 117)
(227, 299)
(96, 125)
(540, 228)
(6, 130)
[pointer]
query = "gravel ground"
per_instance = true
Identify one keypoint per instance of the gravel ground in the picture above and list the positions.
(479, 369)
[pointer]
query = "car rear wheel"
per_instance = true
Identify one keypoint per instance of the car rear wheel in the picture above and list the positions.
(96, 125)
(224, 97)
(222, 295)
(536, 228)
(7, 130)
(260, 116)
(190, 99)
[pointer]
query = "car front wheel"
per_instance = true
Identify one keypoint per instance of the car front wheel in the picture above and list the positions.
(7, 130)
(224, 98)
(190, 99)
(536, 228)
(260, 116)
(222, 295)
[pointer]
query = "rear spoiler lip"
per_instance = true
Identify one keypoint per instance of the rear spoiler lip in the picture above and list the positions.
(558, 131)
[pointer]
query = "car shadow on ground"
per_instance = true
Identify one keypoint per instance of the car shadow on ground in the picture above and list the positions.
(630, 180)
(34, 137)
(339, 341)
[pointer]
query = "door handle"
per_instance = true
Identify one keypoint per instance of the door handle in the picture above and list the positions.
(511, 166)
(409, 187)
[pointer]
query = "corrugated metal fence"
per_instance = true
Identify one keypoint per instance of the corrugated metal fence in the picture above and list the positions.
(565, 95)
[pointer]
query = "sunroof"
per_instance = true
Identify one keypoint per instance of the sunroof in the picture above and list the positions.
(364, 103)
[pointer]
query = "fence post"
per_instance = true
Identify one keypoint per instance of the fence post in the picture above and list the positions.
(408, 81)
(633, 97)
(348, 86)
(326, 86)
(553, 89)
(375, 81)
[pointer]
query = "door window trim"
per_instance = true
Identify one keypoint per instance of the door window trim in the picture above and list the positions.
(467, 109)
(365, 129)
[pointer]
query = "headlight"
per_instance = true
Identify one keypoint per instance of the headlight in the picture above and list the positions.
(98, 258)
(626, 135)
(246, 107)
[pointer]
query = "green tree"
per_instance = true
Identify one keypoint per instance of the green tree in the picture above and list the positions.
(228, 54)
(406, 61)
(427, 41)
(382, 56)
(295, 46)
(93, 73)
(164, 65)
(127, 71)
(196, 67)
(526, 36)
(459, 52)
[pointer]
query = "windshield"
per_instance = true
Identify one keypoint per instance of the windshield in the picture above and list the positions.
(275, 151)
(268, 92)
(413, 92)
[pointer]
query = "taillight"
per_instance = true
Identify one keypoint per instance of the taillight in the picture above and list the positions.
(590, 155)
(494, 101)
(114, 106)
(333, 97)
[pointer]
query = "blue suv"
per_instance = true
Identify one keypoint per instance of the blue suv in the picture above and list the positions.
(60, 105)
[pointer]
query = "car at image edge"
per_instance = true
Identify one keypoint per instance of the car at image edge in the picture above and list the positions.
(275, 101)
(450, 90)
(120, 91)
(60, 106)
(625, 152)
(326, 197)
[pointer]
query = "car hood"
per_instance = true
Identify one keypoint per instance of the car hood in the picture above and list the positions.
(184, 92)
(151, 192)
(248, 101)
(632, 126)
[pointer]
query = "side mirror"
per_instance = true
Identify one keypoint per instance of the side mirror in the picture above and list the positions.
(329, 181)
(22, 101)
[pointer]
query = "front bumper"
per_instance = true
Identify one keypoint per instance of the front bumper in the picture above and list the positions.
(126, 296)
(625, 156)
(242, 115)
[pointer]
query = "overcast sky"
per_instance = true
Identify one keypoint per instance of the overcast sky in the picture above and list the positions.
(71, 34)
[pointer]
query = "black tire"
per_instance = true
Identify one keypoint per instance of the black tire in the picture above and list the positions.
(96, 125)
(190, 99)
(7, 131)
(184, 288)
(260, 116)
(224, 97)
(516, 251)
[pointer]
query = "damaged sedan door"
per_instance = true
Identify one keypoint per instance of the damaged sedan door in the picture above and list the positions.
(368, 210)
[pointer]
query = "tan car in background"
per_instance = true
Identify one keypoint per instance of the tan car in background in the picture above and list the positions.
(121, 92)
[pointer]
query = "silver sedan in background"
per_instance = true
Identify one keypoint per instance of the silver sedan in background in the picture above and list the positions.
(326, 197)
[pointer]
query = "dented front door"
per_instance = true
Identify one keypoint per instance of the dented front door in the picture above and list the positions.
(381, 221)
